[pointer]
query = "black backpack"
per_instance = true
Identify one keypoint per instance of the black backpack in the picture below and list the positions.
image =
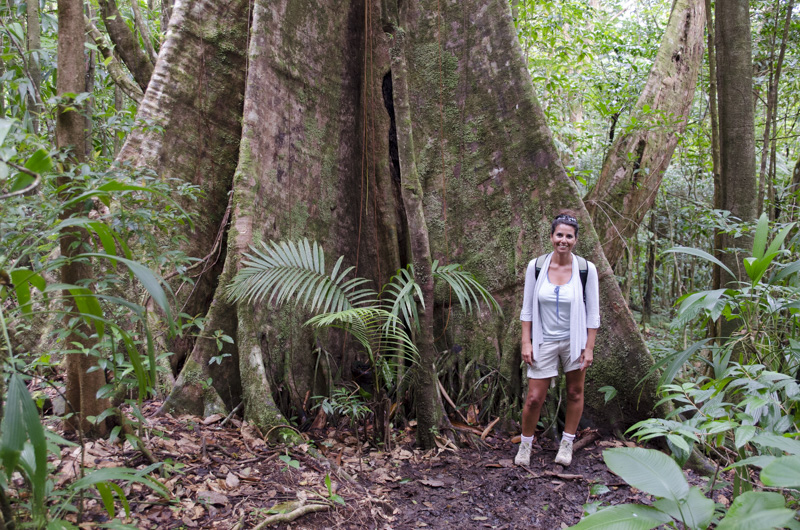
(583, 270)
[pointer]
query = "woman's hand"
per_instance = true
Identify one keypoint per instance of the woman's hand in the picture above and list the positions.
(527, 352)
(587, 358)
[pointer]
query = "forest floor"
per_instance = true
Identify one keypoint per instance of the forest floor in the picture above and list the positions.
(227, 477)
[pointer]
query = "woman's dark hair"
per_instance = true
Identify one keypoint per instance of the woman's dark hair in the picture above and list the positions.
(565, 217)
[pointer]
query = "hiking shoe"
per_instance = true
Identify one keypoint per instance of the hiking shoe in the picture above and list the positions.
(564, 456)
(523, 457)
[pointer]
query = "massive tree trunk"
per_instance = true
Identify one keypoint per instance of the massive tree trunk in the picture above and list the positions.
(736, 123)
(320, 157)
(195, 98)
(635, 164)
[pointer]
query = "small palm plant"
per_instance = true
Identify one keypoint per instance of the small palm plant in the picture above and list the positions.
(383, 324)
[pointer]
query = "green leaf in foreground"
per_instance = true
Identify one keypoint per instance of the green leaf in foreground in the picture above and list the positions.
(624, 517)
(648, 470)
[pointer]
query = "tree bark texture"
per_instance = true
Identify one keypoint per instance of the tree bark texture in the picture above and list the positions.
(195, 99)
(321, 156)
(736, 122)
(126, 43)
(427, 402)
(635, 165)
(82, 385)
(34, 43)
(115, 68)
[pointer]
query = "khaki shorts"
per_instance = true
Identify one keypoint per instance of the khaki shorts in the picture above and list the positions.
(549, 355)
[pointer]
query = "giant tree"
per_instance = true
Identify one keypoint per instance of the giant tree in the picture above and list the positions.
(635, 164)
(307, 135)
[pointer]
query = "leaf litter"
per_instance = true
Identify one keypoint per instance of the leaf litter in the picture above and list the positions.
(228, 477)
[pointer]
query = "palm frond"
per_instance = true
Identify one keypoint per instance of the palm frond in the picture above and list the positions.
(377, 330)
(465, 286)
(288, 270)
(398, 295)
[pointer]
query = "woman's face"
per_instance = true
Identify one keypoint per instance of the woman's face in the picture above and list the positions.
(563, 239)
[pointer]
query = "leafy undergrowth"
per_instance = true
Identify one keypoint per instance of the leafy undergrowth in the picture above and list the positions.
(228, 477)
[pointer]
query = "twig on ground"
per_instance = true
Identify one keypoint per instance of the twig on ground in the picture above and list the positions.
(291, 516)
(489, 428)
(223, 422)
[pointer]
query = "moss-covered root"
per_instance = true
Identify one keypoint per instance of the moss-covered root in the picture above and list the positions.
(192, 394)
(259, 407)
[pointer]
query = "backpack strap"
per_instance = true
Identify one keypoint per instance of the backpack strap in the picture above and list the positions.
(583, 270)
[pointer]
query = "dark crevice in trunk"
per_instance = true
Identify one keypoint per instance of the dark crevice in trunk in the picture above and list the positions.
(637, 165)
(394, 168)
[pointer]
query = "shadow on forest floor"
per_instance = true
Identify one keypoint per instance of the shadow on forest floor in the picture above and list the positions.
(227, 477)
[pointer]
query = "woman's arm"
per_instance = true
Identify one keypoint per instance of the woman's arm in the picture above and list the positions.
(527, 344)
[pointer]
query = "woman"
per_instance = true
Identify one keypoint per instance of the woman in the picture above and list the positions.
(560, 316)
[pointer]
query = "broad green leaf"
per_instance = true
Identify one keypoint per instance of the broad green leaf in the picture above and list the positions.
(107, 497)
(123, 474)
(695, 511)
(624, 517)
(756, 510)
(39, 162)
(783, 472)
(744, 434)
(5, 127)
(760, 237)
(648, 470)
(146, 278)
(22, 280)
(89, 308)
(777, 242)
(789, 445)
(700, 254)
(788, 270)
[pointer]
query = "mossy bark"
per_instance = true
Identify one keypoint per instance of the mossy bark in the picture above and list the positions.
(190, 127)
(318, 159)
(635, 165)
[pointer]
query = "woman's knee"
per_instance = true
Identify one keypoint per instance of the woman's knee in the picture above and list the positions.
(534, 399)
(575, 393)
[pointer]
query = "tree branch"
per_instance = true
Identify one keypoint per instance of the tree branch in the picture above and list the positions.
(114, 67)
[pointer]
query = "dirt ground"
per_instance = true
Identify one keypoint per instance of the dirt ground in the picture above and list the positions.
(227, 477)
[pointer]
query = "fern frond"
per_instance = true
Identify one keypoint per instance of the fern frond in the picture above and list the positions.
(288, 270)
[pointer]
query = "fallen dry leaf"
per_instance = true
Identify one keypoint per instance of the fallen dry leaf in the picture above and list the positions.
(432, 483)
(212, 497)
(214, 418)
(232, 481)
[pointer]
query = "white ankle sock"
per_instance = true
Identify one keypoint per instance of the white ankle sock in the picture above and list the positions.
(526, 439)
(568, 437)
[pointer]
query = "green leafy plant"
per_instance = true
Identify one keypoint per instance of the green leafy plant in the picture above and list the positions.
(290, 463)
(656, 474)
(382, 325)
(333, 497)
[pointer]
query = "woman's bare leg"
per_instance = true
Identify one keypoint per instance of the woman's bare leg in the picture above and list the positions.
(575, 381)
(534, 399)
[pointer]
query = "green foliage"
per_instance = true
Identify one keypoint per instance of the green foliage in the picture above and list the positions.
(656, 474)
(280, 272)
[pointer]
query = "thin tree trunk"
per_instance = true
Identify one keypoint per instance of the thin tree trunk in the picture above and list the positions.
(166, 14)
(650, 269)
(84, 378)
(635, 164)
(714, 119)
(144, 31)
(126, 43)
(91, 68)
(773, 96)
(33, 38)
(115, 68)
(736, 120)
